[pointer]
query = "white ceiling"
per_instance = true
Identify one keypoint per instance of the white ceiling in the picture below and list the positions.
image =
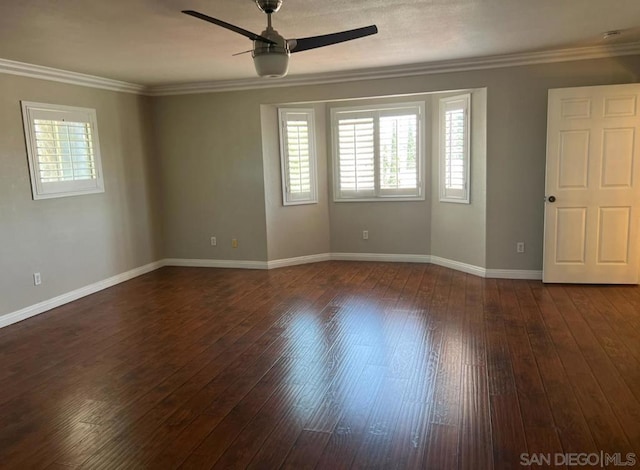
(149, 42)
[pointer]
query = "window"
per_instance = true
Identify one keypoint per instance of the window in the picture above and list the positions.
(63, 150)
(378, 152)
(454, 149)
(297, 154)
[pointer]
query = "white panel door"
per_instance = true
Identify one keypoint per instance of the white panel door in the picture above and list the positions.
(592, 185)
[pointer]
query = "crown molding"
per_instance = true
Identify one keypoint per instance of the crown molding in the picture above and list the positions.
(461, 65)
(64, 76)
(458, 65)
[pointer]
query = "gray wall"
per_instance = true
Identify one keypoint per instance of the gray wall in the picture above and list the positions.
(210, 149)
(213, 175)
(76, 241)
(395, 227)
(295, 230)
(458, 231)
(516, 149)
(407, 227)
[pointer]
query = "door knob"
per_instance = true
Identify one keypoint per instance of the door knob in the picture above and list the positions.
(551, 199)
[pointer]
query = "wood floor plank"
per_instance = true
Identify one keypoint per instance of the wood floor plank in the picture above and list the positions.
(540, 428)
(329, 365)
(572, 427)
(283, 436)
(442, 447)
(475, 440)
(507, 429)
(256, 339)
(381, 427)
(348, 433)
(620, 398)
(446, 400)
(603, 424)
(473, 324)
(414, 278)
(615, 338)
(307, 450)
(421, 353)
(627, 301)
(499, 366)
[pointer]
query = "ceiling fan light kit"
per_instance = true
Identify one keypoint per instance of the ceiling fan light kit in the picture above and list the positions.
(271, 51)
(271, 61)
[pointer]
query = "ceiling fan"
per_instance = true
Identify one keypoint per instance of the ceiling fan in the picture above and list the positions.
(271, 51)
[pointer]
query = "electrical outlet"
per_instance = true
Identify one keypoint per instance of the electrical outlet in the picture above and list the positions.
(37, 279)
(234, 243)
(214, 242)
(365, 234)
(520, 247)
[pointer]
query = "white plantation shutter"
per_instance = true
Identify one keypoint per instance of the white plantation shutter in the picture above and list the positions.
(377, 152)
(454, 149)
(356, 156)
(297, 156)
(398, 154)
(63, 150)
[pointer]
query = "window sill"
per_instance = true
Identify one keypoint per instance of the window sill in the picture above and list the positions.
(456, 201)
(381, 199)
(298, 203)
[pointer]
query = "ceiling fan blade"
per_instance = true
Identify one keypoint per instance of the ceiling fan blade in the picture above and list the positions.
(229, 26)
(240, 53)
(303, 44)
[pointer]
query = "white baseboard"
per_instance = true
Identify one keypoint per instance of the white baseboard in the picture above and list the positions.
(281, 263)
(215, 263)
(514, 274)
(458, 266)
(49, 304)
(487, 273)
(381, 257)
(236, 264)
(76, 294)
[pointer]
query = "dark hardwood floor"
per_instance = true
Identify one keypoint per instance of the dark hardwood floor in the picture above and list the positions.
(330, 365)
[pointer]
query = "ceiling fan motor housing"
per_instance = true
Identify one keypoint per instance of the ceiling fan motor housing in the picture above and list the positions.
(271, 60)
(269, 6)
